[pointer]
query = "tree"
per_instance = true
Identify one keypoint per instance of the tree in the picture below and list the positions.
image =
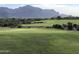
(59, 17)
(70, 26)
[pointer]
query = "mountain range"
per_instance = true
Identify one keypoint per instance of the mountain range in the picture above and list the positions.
(27, 12)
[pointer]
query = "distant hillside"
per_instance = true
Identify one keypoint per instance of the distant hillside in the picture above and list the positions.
(27, 12)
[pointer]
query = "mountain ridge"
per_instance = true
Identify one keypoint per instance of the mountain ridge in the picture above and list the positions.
(27, 12)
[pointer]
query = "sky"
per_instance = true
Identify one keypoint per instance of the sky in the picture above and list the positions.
(69, 9)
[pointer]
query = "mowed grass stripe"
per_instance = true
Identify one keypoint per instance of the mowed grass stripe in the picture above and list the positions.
(32, 30)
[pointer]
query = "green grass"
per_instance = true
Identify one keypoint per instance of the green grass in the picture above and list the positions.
(35, 40)
(39, 40)
(50, 22)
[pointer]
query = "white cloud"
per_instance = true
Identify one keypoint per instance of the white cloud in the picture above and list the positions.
(39, 1)
(62, 8)
(70, 10)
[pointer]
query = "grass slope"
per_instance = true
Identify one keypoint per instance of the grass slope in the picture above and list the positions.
(35, 40)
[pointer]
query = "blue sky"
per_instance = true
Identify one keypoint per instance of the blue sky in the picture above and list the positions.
(70, 9)
(11, 5)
